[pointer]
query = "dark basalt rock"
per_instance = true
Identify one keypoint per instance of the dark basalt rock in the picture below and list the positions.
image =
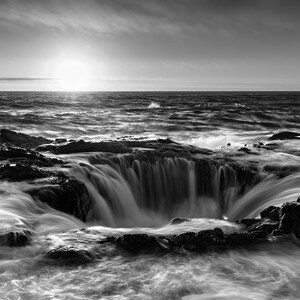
(281, 171)
(288, 222)
(20, 139)
(27, 157)
(179, 221)
(249, 222)
(60, 140)
(82, 146)
(71, 254)
(13, 232)
(285, 135)
(160, 148)
(290, 208)
(19, 172)
(246, 150)
(246, 238)
(141, 242)
(274, 221)
(69, 196)
(209, 240)
(16, 238)
(271, 212)
(264, 225)
(202, 241)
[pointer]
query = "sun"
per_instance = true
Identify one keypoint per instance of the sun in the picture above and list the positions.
(73, 75)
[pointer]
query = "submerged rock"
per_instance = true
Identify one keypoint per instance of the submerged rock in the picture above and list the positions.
(21, 139)
(178, 221)
(71, 254)
(13, 232)
(281, 171)
(285, 135)
(19, 238)
(245, 149)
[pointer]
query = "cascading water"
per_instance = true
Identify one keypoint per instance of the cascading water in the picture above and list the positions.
(137, 192)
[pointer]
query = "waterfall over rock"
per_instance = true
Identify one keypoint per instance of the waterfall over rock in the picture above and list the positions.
(131, 190)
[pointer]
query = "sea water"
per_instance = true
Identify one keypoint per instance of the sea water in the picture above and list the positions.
(206, 120)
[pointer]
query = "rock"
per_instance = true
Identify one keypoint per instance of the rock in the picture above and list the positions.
(290, 208)
(246, 238)
(60, 140)
(244, 149)
(69, 196)
(209, 240)
(160, 147)
(271, 212)
(264, 225)
(13, 232)
(139, 243)
(277, 232)
(271, 146)
(249, 222)
(82, 146)
(21, 139)
(285, 135)
(281, 171)
(288, 222)
(179, 221)
(27, 156)
(228, 144)
(19, 238)
(19, 172)
(186, 240)
(71, 254)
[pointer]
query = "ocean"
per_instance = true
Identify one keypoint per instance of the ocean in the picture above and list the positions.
(221, 168)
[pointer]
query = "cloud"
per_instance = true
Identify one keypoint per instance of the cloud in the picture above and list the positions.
(109, 17)
(29, 79)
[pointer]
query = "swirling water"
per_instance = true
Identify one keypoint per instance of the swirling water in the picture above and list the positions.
(207, 120)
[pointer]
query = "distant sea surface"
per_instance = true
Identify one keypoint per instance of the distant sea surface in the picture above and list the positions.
(206, 119)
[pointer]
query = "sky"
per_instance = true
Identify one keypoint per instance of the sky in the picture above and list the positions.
(150, 45)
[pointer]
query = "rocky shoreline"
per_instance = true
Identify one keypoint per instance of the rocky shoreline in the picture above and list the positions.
(275, 225)
(26, 158)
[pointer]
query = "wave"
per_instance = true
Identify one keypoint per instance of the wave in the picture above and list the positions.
(154, 105)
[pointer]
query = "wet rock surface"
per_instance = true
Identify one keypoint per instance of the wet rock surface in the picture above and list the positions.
(274, 221)
(13, 233)
(68, 195)
(20, 172)
(285, 135)
(19, 238)
(71, 254)
(82, 146)
(87, 247)
(21, 140)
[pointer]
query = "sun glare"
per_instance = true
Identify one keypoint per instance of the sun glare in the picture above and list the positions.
(73, 76)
